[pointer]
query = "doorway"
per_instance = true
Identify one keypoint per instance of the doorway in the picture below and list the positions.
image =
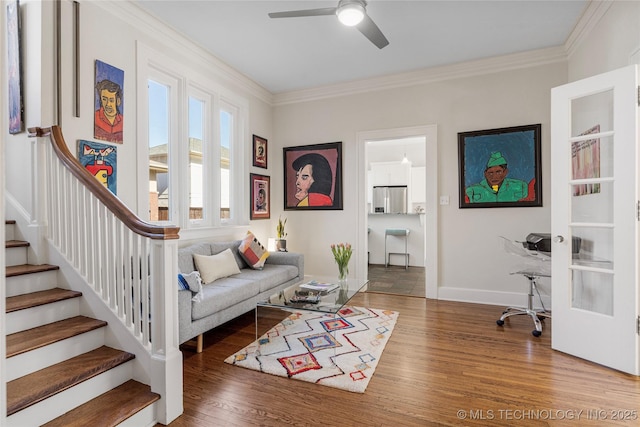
(396, 264)
(427, 269)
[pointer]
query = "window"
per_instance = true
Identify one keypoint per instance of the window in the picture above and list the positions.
(226, 134)
(158, 151)
(195, 144)
(195, 150)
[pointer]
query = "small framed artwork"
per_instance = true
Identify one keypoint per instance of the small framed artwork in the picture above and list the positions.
(313, 177)
(101, 161)
(259, 152)
(260, 196)
(500, 168)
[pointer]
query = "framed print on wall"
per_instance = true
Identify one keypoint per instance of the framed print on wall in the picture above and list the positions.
(500, 167)
(259, 152)
(101, 161)
(14, 68)
(108, 122)
(313, 177)
(260, 196)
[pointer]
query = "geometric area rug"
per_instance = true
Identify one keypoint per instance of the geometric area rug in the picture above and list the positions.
(339, 351)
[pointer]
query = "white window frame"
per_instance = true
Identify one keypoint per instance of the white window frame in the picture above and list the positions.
(159, 67)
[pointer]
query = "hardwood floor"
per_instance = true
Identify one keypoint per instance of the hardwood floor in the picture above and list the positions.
(447, 363)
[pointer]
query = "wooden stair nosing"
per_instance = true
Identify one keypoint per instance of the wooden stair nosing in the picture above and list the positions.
(17, 270)
(35, 299)
(110, 408)
(38, 386)
(16, 244)
(9, 221)
(31, 339)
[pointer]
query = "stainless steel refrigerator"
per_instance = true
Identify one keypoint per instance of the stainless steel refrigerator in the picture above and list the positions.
(390, 199)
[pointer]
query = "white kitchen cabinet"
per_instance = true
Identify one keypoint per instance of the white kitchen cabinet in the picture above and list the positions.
(391, 173)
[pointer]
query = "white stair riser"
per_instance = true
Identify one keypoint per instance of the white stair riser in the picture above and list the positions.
(61, 403)
(22, 320)
(144, 418)
(16, 256)
(34, 360)
(9, 233)
(27, 283)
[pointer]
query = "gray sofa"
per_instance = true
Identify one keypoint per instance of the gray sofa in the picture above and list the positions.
(229, 297)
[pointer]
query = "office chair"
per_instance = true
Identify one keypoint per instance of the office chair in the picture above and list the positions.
(538, 265)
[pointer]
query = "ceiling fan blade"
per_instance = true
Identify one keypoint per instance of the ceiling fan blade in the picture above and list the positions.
(372, 32)
(301, 13)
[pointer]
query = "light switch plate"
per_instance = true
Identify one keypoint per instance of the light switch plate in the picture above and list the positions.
(444, 200)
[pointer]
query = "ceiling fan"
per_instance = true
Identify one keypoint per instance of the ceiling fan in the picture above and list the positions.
(352, 13)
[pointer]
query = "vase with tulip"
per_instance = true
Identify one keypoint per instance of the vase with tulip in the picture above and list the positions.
(342, 254)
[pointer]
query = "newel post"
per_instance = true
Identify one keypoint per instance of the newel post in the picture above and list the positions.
(166, 358)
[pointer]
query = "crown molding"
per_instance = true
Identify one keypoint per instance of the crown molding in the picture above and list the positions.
(587, 22)
(138, 18)
(428, 75)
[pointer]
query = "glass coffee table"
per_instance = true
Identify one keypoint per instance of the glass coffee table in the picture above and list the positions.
(297, 297)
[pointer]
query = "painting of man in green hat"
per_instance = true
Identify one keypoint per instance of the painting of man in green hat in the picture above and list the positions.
(496, 187)
(500, 167)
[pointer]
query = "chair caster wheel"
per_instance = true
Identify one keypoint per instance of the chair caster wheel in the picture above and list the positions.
(500, 322)
(536, 333)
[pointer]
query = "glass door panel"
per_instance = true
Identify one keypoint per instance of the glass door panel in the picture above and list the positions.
(591, 110)
(585, 196)
(592, 291)
(592, 157)
(593, 247)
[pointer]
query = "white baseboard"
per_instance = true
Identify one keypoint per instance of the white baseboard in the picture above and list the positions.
(478, 296)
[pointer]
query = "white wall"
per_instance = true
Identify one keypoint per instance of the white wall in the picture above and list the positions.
(610, 44)
(471, 257)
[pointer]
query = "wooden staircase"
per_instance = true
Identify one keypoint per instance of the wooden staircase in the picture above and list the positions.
(59, 372)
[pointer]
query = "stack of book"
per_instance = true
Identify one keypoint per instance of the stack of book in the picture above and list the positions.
(320, 287)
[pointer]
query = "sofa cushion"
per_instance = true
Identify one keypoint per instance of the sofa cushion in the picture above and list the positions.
(269, 277)
(214, 267)
(252, 251)
(185, 256)
(222, 294)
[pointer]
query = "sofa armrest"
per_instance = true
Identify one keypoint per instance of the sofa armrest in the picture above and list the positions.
(184, 311)
(287, 258)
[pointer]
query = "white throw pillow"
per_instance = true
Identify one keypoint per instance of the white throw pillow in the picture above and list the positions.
(216, 266)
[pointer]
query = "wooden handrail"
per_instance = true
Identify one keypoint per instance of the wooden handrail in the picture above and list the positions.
(113, 203)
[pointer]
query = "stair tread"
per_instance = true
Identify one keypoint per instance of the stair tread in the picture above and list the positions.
(9, 221)
(34, 299)
(16, 244)
(21, 342)
(37, 386)
(17, 270)
(110, 408)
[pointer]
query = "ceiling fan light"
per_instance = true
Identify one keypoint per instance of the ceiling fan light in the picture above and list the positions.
(350, 14)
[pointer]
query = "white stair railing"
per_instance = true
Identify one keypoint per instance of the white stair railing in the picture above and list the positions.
(129, 263)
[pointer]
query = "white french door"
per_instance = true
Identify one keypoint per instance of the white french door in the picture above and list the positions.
(594, 219)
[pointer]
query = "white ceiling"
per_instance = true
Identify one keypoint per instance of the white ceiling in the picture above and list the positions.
(290, 54)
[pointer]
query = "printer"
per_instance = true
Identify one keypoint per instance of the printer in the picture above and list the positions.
(541, 242)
